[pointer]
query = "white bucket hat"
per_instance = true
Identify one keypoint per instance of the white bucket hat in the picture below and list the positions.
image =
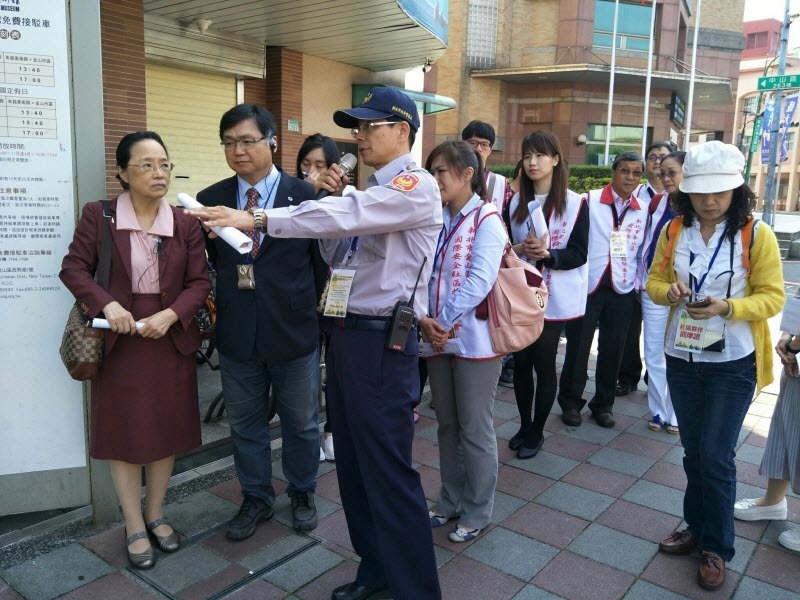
(712, 167)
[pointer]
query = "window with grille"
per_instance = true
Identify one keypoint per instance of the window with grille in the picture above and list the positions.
(750, 105)
(756, 40)
(481, 34)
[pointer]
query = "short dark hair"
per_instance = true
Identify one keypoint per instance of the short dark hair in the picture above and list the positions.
(479, 129)
(126, 144)
(629, 156)
(459, 156)
(665, 144)
(312, 142)
(412, 133)
(242, 112)
(741, 208)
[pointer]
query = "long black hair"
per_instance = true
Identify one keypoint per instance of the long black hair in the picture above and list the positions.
(312, 142)
(543, 142)
(459, 156)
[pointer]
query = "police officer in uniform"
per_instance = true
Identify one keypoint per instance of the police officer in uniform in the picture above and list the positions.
(387, 236)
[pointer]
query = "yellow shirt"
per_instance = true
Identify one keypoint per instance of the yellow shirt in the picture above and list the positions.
(764, 294)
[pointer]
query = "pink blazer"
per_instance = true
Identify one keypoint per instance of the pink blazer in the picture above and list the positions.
(182, 271)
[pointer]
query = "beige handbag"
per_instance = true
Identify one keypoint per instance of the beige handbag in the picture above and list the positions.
(81, 345)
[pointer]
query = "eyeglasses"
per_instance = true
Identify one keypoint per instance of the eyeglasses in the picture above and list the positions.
(655, 158)
(625, 172)
(245, 144)
(368, 126)
(150, 167)
(482, 145)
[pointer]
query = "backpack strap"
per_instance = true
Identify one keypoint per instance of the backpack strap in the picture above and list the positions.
(673, 228)
(747, 242)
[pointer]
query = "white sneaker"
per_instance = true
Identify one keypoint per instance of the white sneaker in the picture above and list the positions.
(327, 448)
(790, 539)
(321, 454)
(748, 510)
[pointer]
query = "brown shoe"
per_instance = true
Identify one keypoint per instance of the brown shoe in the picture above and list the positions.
(571, 417)
(680, 542)
(711, 574)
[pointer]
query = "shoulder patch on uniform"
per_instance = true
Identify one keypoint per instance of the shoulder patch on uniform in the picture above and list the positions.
(405, 182)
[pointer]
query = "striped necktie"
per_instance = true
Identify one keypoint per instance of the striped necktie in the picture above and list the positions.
(252, 202)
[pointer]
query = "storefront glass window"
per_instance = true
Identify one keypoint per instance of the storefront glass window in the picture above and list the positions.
(623, 139)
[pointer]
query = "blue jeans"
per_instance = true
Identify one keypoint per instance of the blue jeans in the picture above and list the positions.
(246, 385)
(711, 401)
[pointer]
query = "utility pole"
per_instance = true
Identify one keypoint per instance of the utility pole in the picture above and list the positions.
(692, 76)
(769, 194)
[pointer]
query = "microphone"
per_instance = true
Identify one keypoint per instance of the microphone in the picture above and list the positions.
(347, 163)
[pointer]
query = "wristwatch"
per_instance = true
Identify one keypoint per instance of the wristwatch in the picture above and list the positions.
(259, 219)
(791, 350)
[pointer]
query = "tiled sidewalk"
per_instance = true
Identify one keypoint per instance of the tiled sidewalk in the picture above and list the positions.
(580, 521)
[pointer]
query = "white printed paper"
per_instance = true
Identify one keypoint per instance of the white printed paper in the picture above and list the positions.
(451, 346)
(104, 324)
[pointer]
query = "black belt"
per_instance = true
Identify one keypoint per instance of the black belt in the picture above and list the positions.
(362, 322)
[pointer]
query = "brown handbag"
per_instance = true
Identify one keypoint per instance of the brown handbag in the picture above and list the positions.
(82, 345)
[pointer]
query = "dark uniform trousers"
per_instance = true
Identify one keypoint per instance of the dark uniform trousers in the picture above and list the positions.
(630, 369)
(612, 312)
(371, 393)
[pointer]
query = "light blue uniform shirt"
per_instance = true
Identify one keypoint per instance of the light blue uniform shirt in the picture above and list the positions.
(267, 190)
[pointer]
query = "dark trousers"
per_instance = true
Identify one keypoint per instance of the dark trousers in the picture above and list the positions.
(711, 401)
(371, 393)
(612, 313)
(541, 355)
(630, 369)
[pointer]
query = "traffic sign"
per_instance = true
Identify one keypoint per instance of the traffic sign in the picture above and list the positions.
(783, 82)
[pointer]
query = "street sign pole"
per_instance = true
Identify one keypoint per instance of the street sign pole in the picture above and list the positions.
(769, 194)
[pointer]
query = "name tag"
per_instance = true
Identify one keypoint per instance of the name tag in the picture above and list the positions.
(691, 334)
(339, 292)
(619, 244)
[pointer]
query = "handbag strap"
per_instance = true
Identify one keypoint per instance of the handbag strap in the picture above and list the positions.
(104, 262)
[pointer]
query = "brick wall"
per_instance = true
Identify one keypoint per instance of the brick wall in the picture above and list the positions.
(255, 91)
(124, 104)
(284, 97)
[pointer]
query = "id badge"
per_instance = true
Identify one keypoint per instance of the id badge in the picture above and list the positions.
(341, 283)
(691, 334)
(245, 277)
(619, 244)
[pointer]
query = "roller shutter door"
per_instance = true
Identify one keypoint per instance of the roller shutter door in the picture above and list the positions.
(184, 108)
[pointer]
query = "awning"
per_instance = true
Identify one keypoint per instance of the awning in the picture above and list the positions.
(709, 91)
(426, 102)
(378, 35)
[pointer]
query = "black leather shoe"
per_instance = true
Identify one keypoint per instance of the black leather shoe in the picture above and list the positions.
(355, 591)
(304, 511)
(515, 442)
(571, 417)
(252, 512)
(623, 389)
(525, 452)
(604, 419)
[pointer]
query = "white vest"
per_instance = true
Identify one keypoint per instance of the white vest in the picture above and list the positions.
(499, 190)
(601, 219)
(473, 332)
(567, 289)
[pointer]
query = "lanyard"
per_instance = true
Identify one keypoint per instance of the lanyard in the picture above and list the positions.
(441, 245)
(699, 284)
(618, 219)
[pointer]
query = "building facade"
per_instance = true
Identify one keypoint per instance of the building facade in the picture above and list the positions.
(524, 65)
(760, 59)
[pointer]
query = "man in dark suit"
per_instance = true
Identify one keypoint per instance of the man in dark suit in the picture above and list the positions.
(267, 332)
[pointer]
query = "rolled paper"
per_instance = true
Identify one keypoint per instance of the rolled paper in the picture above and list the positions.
(104, 324)
(232, 236)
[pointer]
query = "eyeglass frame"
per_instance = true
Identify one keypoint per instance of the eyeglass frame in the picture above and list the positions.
(656, 158)
(625, 171)
(368, 126)
(245, 144)
(153, 167)
(475, 144)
